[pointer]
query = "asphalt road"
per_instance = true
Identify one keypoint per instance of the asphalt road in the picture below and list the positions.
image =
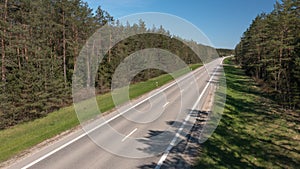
(140, 135)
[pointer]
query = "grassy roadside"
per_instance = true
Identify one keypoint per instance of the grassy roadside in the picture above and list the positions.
(15, 140)
(253, 132)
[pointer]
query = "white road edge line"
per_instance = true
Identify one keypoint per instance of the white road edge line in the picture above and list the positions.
(129, 134)
(166, 104)
(111, 119)
(177, 135)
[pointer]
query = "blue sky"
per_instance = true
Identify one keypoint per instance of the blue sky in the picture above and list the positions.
(222, 21)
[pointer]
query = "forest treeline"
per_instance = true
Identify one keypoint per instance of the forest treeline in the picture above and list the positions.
(225, 52)
(269, 51)
(40, 41)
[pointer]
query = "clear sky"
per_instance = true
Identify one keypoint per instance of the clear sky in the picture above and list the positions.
(222, 21)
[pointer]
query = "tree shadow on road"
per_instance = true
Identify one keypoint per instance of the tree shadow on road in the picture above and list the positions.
(186, 150)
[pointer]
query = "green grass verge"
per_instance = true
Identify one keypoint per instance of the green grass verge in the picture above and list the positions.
(23, 136)
(254, 132)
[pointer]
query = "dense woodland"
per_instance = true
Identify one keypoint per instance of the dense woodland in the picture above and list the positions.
(270, 52)
(40, 41)
(225, 52)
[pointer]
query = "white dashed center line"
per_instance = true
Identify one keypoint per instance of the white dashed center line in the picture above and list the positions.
(129, 134)
(166, 104)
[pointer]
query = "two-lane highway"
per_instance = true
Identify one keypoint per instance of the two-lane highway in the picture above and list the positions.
(140, 133)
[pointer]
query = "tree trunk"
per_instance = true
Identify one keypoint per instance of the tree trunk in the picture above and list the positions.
(110, 46)
(75, 31)
(3, 68)
(88, 60)
(64, 48)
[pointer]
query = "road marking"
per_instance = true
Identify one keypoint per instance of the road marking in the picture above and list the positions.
(129, 134)
(111, 119)
(177, 135)
(166, 104)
